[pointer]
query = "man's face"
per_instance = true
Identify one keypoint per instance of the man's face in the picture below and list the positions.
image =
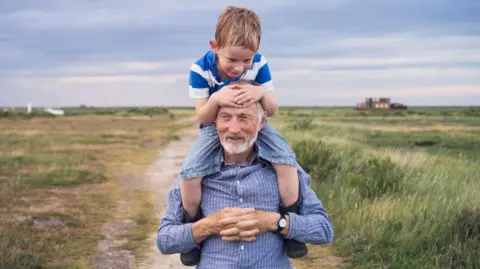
(238, 128)
(233, 60)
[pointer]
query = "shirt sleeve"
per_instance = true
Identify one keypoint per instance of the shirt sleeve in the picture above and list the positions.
(198, 82)
(264, 77)
(312, 225)
(174, 236)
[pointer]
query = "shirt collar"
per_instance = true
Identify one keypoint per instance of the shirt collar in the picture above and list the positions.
(252, 159)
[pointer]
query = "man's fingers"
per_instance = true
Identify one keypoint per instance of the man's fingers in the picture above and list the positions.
(239, 211)
(246, 224)
(230, 232)
(230, 220)
(249, 233)
(249, 239)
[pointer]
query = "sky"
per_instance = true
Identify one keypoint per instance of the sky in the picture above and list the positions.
(321, 53)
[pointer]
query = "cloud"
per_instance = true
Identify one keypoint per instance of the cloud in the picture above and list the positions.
(320, 52)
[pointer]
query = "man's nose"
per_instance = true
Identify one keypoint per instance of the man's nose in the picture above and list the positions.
(234, 127)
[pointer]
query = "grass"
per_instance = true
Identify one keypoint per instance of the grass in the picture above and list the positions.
(60, 182)
(402, 189)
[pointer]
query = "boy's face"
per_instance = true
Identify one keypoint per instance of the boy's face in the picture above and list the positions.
(232, 60)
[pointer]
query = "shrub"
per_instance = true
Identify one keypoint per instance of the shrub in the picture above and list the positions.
(302, 123)
(316, 158)
(376, 177)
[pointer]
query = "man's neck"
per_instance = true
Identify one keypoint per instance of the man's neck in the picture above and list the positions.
(238, 158)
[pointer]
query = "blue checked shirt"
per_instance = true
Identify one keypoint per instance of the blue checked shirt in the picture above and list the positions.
(251, 184)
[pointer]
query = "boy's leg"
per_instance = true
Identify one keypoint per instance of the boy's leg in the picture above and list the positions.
(191, 192)
(274, 148)
(288, 184)
(202, 159)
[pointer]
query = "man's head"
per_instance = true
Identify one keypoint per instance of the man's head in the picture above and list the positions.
(238, 127)
(237, 38)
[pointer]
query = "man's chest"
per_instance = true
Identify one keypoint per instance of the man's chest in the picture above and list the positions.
(241, 187)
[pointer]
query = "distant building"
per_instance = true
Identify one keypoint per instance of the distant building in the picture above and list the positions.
(379, 103)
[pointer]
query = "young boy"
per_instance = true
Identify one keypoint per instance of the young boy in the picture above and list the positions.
(233, 56)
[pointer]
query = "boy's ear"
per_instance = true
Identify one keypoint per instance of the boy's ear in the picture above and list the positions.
(213, 45)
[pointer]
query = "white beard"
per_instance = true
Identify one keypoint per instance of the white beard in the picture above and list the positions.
(236, 148)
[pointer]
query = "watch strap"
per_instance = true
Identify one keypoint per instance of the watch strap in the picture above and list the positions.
(282, 216)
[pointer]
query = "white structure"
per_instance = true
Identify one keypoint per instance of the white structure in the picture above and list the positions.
(29, 108)
(57, 112)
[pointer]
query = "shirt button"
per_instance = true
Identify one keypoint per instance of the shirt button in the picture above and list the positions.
(241, 200)
(242, 247)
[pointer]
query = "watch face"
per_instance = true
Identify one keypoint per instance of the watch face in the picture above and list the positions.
(282, 223)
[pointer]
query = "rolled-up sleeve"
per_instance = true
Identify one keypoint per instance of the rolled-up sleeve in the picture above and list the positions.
(173, 236)
(312, 225)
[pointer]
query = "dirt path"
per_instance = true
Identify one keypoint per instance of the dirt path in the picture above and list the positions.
(161, 177)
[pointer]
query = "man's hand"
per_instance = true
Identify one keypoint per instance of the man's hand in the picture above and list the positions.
(227, 96)
(212, 225)
(219, 217)
(247, 227)
(248, 94)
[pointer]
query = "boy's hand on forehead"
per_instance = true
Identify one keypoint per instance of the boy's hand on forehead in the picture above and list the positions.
(226, 97)
(247, 94)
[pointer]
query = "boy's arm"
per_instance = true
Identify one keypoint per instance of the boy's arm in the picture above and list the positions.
(269, 103)
(205, 106)
(206, 110)
(264, 78)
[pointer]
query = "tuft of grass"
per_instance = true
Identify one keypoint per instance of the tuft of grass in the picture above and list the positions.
(379, 176)
(316, 158)
(64, 177)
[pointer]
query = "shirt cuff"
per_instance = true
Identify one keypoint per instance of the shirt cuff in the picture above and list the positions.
(187, 238)
(293, 230)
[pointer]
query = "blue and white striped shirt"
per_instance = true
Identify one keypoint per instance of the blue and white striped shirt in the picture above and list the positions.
(205, 80)
(254, 185)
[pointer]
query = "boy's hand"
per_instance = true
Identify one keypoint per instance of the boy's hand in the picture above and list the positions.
(226, 97)
(248, 94)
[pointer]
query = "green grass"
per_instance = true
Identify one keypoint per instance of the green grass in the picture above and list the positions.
(64, 177)
(59, 183)
(397, 198)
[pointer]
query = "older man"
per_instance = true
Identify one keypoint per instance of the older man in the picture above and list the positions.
(241, 227)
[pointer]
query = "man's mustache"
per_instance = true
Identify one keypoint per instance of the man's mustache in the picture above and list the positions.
(235, 136)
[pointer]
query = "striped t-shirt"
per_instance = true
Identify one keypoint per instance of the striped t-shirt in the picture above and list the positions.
(205, 80)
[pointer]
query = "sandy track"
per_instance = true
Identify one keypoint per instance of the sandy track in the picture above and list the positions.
(160, 178)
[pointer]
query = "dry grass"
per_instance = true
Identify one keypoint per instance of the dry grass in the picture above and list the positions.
(60, 180)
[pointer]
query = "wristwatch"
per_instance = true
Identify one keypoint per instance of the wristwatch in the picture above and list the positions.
(282, 223)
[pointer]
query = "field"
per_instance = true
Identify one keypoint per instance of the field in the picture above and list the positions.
(61, 179)
(402, 187)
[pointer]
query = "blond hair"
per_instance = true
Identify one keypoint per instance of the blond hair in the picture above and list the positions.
(238, 26)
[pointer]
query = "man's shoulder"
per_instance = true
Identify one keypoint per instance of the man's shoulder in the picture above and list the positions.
(203, 62)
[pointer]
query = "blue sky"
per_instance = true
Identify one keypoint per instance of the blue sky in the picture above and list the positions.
(323, 52)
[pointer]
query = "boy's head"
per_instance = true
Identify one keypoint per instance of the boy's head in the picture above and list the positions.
(237, 38)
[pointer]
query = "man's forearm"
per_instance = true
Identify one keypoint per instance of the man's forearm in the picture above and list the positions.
(208, 112)
(269, 103)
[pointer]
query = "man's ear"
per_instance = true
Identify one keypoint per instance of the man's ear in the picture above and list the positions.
(213, 45)
(264, 119)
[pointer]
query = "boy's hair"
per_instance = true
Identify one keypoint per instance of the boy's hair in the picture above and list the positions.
(238, 26)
